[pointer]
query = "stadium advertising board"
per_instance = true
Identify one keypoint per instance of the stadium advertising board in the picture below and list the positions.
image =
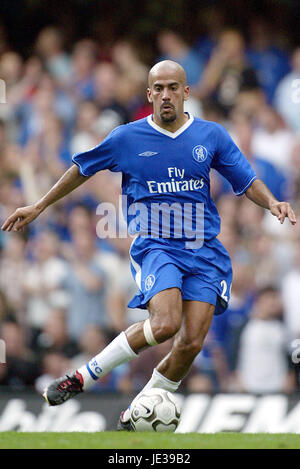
(200, 413)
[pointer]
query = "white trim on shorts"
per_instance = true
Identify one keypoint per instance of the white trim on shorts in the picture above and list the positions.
(136, 266)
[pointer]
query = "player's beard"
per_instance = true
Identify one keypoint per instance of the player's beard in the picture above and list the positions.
(168, 116)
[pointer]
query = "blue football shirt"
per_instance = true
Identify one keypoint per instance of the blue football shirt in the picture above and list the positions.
(163, 170)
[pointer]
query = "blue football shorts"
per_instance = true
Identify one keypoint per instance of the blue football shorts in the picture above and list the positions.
(203, 274)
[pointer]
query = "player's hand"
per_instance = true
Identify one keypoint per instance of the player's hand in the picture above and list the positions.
(20, 218)
(283, 210)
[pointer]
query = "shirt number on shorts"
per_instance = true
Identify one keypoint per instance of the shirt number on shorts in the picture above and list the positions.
(224, 291)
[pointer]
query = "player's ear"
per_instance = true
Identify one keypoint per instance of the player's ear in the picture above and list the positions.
(149, 95)
(186, 93)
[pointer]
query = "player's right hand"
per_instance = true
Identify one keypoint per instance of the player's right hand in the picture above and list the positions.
(20, 218)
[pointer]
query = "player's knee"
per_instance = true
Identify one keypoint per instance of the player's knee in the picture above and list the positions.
(189, 347)
(166, 321)
(164, 330)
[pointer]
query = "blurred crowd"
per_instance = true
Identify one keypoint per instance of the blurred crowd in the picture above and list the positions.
(63, 290)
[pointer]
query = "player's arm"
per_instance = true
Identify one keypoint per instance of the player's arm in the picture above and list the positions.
(261, 195)
(69, 181)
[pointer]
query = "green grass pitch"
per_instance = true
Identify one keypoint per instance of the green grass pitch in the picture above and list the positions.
(118, 440)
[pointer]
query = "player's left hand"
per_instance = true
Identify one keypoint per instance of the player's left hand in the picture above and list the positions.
(283, 210)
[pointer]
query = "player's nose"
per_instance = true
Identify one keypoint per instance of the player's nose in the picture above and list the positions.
(166, 95)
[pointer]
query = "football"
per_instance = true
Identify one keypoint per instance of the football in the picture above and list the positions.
(154, 410)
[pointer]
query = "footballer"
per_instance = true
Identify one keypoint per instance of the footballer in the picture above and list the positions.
(183, 272)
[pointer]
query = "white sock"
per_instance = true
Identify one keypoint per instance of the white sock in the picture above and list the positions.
(157, 380)
(116, 353)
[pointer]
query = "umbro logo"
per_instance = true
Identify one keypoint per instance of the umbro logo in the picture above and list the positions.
(148, 153)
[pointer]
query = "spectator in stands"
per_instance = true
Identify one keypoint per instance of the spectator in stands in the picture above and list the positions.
(105, 85)
(133, 76)
(48, 98)
(269, 173)
(262, 250)
(272, 140)
(84, 136)
(11, 68)
(54, 336)
(13, 266)
(295, 167)
(270, 61)
(227, 327)
(6, 311)
(263, 363)
(291, 299)
(20, 368)
(42, 280)
(210, 368)
(20, 93)
(50, 46)
(227, 74)
(249, 220)
(84, 282)
(173, 47)
(81, 222)
(83, 62)
(287, 96)
(211, 20)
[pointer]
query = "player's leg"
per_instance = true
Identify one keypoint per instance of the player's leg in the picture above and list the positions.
(188, 343)
(197, 317)
(165, 317)
(165, 310)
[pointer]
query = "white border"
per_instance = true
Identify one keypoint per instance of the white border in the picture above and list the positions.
(137, 267)
(246, 187)
(167, 132)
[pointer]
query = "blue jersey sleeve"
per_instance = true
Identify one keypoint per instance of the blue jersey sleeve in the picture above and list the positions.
(231, 163)
(103, 156)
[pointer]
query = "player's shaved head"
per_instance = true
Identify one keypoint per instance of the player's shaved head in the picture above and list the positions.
(167, 91)
(167, 69)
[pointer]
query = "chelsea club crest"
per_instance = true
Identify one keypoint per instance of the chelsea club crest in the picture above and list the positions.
(199, 153)
(149, 282)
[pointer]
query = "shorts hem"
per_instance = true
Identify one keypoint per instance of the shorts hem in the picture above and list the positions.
(139, 300)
